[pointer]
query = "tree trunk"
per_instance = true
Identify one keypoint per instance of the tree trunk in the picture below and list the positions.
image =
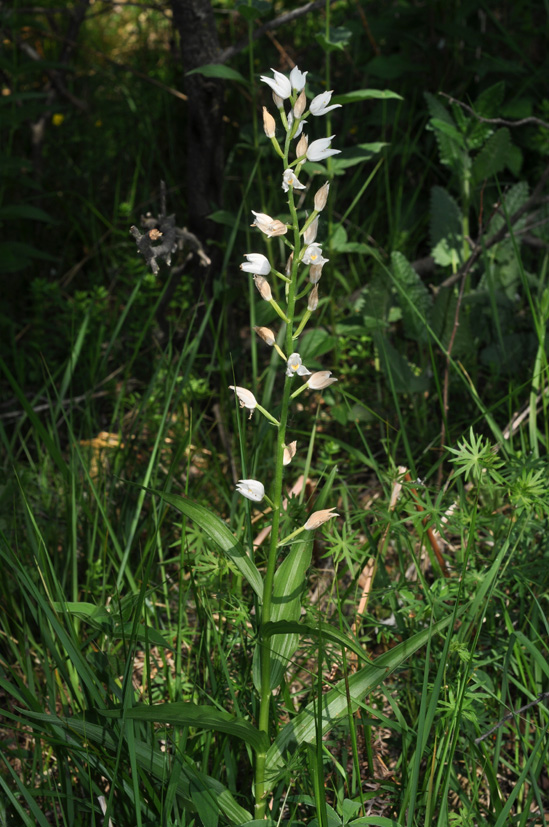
(194, 21)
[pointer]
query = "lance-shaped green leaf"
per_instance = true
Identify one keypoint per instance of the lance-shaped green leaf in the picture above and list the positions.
(150, 759)
(320, 630)
(221, 535)
(109, 623)
(305, 726)
(181, 713)
(288, 587)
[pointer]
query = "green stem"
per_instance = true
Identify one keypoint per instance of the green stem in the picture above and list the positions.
(266, 692)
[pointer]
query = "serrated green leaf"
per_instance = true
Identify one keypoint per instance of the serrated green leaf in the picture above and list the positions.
(493, 157)
(218, 70)
(306, 726)
(414, 298)
(181, 713)
(451, 147)
(338, 39)
(366, 94)
(399, 374)
(488, 104)
(219, 533)
(445, 228)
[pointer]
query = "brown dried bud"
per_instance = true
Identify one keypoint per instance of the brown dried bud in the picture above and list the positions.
(265, 334)
(264, 288)
(302, 146)
(289, 265)
(289, 452)
(315, 272)
(319, 517)
(321, 197)
(310, 233)
(300, 105)
(312, 304)
(269, 123)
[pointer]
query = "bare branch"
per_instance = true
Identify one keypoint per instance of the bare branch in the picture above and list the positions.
(496, 121)
(511, 715)
(279, 21)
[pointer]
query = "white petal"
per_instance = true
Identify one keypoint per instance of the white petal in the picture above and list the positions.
(251, 489)
(257, 263)
(297, 79)
(320, 149)
(245, 397)
(280, 84)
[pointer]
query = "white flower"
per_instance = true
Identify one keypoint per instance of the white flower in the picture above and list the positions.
(245, 397)
(295, 365)
(313, 255)
(251, 489)
(299, 129)
(319, 517)
(321, 379)
(289, 179)
(320, 149)
(257, 263)
(297, 79)
(319, 105)
(280, 84)
(269, 226)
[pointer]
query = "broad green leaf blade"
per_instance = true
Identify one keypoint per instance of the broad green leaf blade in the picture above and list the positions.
(181, 713)
(493, 157)
(219, 533)
(303, 728)
(151, 760)
(366, 94)
(414, 298)
(445, 228)
(218, 70)
(324, 630)
(289, 582)
(396, 368)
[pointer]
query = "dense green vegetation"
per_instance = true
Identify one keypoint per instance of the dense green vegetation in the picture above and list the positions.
(397, 674)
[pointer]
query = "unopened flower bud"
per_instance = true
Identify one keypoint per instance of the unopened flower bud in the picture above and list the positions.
(289, 265)
(310, 233)
(302, 146)
(264, 288)
(321, 197)
(266, 334)
(319, 517)
(278, 101)
(300, 105)
(312, 304)
(269, 123)
(321, 379)
(289, 452)
(315, 272)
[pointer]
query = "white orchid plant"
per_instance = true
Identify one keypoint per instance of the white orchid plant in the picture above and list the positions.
(300, 277)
